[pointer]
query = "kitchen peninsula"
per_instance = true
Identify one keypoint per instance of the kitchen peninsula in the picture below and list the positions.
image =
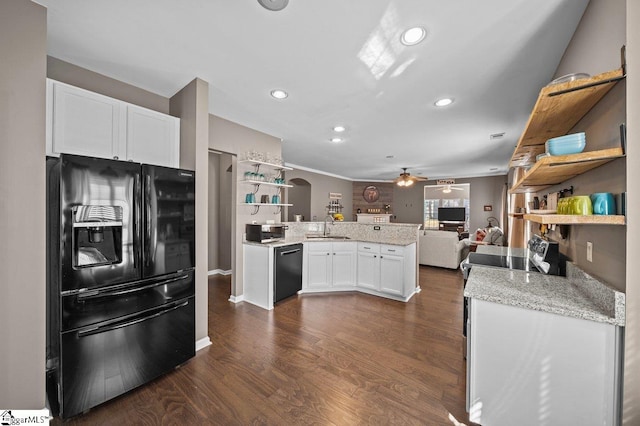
(543, 347)
(378, 259)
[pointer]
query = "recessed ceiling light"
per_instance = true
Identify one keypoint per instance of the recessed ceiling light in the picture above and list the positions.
(443, 102)
(279, 94)
(413, 36)
(336, 140)
(339, 129)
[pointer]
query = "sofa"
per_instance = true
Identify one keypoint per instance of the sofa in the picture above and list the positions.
(441, 248)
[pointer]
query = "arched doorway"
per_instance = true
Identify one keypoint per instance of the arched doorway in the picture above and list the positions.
(300, 196)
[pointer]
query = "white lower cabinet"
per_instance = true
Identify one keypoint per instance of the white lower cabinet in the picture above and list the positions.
(392, 274)
(85, 123)
(531, 367)
(329, 265)
(387, 269)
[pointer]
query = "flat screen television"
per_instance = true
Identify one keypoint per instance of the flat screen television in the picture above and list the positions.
(451, 214)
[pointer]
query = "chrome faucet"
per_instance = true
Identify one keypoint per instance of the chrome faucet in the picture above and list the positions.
(325, 224)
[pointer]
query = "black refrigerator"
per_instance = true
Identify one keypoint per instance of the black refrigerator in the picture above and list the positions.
(120, 277)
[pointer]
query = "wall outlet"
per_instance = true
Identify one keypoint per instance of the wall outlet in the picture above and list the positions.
(589, 251)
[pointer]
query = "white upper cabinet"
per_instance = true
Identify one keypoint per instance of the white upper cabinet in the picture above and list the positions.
(86, 123)
(152, 136)
(83, 122)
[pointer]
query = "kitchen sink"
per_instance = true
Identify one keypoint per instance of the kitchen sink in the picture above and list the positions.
(327, 237)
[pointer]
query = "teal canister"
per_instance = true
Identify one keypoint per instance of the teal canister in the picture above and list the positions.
(603, 203)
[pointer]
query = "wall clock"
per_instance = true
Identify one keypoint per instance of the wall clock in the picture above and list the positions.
(371, 194)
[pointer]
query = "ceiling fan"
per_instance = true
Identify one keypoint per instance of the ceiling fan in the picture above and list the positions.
(405, 179)
(448, 188)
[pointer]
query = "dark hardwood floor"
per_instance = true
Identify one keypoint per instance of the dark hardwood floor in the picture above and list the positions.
(342, 359)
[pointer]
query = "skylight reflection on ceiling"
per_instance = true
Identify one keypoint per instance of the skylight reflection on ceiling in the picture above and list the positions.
(381, 49)
(402, 67)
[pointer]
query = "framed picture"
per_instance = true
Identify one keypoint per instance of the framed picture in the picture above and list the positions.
(488, 208)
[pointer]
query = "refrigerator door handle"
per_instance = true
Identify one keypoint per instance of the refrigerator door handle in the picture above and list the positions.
(94, 295)
(136, 223)
(98, 330)
(148, 218)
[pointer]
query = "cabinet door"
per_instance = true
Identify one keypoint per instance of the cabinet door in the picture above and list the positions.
(152, 137)
(344, 265)
(392, 274)
(319, 269)
(368, 270)
(85, 123)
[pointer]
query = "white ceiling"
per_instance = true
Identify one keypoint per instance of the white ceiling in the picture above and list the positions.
(341, 63)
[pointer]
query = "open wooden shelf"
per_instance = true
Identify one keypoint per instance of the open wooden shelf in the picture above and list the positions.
(557, 110)
(568, 219)
(554, 170)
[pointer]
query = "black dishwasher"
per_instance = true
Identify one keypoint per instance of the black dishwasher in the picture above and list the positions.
(287, 279)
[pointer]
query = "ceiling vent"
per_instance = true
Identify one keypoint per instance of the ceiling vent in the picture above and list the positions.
(274, 4)
(496, 135)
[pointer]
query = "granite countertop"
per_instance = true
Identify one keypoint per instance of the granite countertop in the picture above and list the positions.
(297, 240)
(577, 295)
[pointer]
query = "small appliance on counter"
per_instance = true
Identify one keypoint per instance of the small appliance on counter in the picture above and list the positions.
(264, 232)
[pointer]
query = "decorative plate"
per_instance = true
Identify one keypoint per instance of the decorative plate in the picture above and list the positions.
(371, 194)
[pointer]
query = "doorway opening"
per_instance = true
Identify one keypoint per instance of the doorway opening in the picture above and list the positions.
(300, 196)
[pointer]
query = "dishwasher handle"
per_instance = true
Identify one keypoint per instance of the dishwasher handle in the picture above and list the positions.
(284, 253)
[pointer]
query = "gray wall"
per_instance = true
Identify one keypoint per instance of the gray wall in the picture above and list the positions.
(220, 181)
(595, 48)
(321, 186)
(23, 50)
(232, 138)
(191, 104)
(226, 212)
(631, 407)
(80, 77)
(213, 211)
(408, 202)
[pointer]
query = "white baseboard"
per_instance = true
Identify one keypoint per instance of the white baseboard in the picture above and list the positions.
(202, 343)
(236, 299)
(219, 272)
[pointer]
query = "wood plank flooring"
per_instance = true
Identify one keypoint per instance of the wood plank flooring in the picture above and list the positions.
(331, 359)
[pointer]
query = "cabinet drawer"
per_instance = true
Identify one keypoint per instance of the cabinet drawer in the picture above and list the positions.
(369, 247)
(397, 250)
(319, 246)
